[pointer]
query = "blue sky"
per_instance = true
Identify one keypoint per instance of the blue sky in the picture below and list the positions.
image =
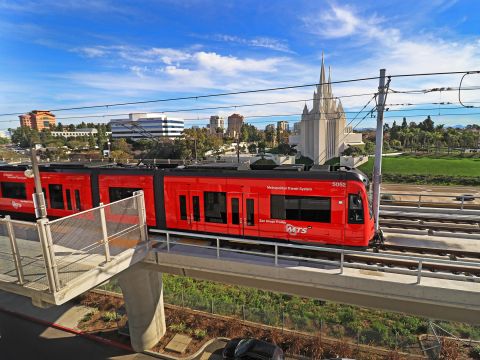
(56, 54)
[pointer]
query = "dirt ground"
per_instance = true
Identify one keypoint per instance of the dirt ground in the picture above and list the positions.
(110, 316)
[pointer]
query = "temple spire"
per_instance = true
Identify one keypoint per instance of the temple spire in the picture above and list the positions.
(322, 77)
(305, 109)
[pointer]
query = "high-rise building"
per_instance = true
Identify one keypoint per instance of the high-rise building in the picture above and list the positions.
(283, 126)
(216, 123)
(296, 128)
(145, 125)
(235, 122)
(323, 130)
(270, 127)
(37, 119)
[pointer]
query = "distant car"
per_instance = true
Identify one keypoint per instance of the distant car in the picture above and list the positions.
(245, 348)
(465, 197)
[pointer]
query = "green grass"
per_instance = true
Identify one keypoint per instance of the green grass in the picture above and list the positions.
(410, 165)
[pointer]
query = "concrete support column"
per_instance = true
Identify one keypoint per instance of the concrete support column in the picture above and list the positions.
(143, 294)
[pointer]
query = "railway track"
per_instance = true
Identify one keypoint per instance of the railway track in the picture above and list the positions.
(422, 224)
(354, 260)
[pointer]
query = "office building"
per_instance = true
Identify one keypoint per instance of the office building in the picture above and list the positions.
(235, 122)
(38, 119)
(146, 125)
(283, 126)
(217, 124)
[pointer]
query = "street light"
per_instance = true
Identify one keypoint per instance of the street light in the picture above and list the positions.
(38, 196)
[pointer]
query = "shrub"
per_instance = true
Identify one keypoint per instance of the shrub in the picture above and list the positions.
(475, 352)
(180, 327)
(108, 316)
(88, 316)
(199, 334)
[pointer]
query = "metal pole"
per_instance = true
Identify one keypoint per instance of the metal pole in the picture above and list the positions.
(377, 169)
(238, 148)
(15, 252)
(218, 248)
(141, 214)
(39, 198)
(46, 254)
(51, 250)
(103, 224)
(419, 271)
(342, 259)
(276, 255)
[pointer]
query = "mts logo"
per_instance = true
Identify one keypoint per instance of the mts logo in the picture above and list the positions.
(294, 230)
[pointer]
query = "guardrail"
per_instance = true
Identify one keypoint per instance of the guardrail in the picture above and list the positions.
(459, 201)
(49, 255)
(217, 251)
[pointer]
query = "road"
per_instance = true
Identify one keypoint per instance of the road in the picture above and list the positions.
(21, 339)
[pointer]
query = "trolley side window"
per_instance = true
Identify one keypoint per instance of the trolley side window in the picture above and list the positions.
(14, 190)
(215, 207)
(183, 207)
(196, 208)
(355, 209)
(250, 212)
(56, 196)
(119, 193)
(300, 208)
(235, 212)
(69, 200)
(78, 203)
(126, 207)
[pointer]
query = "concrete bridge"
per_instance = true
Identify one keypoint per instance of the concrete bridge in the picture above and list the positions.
(52, 262)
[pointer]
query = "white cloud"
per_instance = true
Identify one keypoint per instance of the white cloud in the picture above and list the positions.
(231, 65)
(166, 55)
(91, 52)
(260, 41)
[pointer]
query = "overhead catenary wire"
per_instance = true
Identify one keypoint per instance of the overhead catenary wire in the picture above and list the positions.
(196, 97)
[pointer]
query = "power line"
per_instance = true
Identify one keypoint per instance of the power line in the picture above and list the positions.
(196, 97)
(437, 89)
(324, 152)
(435, 73)
(247, 91)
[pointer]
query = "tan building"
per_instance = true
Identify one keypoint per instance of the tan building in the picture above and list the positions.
(283, 126)
(216, 122)
(235, 122)
(37, 119)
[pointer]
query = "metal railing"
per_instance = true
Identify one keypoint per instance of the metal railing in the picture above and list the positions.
(218, 251)
(48, 255)
(457, 201)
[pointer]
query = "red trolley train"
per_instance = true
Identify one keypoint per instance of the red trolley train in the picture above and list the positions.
(314, 207)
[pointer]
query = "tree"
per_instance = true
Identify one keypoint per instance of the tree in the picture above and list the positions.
(122, 145)
(286, 149)
(427, 124)
(25, 137)
(252, 148)
(91, 142)
(404, 123)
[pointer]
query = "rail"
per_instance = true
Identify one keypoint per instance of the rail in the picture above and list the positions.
(459, 201)
(52, 255)
(277, 255)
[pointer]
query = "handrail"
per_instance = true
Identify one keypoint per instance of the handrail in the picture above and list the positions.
(417, 259)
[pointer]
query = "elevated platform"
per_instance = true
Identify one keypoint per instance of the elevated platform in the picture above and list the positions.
(55, 261)
(412, 292)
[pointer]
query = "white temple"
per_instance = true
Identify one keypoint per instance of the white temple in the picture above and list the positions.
(323, 130)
